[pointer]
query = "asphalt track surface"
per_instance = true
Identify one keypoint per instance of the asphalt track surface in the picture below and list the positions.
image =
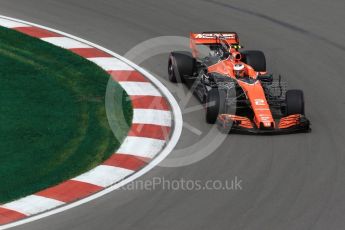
(289, 182)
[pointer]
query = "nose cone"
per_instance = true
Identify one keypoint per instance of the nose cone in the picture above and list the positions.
(262, 114)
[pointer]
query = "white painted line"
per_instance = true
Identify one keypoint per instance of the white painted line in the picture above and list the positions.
(65, 42)
(192, 128)
(178, 122)
(104, 175)
(141, 146)
(11, 24)
(140, 88)
(110, 63)
(32, 204)
(152, 116)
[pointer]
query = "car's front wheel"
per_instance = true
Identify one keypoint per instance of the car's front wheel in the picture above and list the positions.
(214, 105)
(294, 102)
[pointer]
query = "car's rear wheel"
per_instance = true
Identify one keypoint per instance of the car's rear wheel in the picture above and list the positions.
(294, 102)
(180, 64)
(255, 59)
(214, 105)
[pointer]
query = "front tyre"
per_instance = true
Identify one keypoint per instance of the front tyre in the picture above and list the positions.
(294, 102)
(214, 105)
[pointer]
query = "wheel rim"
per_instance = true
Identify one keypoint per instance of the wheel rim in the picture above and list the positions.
(171, 70)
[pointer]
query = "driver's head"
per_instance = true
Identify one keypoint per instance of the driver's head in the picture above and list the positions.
(239, 70)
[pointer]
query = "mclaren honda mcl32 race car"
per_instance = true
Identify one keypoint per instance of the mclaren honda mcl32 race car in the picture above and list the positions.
(238, 93)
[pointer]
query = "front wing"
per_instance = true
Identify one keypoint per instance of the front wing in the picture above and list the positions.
(296, 123)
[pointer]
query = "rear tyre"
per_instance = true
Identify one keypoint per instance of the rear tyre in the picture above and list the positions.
(214, 105)
(255, 59)
(180, 64)
(294, 102)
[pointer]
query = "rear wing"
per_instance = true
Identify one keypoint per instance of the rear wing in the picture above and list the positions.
(211, 38)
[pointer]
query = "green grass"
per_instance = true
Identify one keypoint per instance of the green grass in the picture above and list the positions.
(53, 121)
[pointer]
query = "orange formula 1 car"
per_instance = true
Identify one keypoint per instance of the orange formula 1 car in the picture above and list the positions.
(238, 94)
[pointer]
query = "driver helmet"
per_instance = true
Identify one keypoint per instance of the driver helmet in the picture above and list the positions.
(239, 70)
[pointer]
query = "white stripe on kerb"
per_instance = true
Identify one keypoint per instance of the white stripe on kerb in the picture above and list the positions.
(104, 175)
(111, 63)
(141, 146)
(32, 204)
(152, 116)
(140, 88)
(65, 42)
(11, 24)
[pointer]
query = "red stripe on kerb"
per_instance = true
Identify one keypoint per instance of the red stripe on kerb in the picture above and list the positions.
(126, 161)
(127, 75)
(149, 102)
(150, 131)
(69, 191)
(7, 216)
(90, 52)
(37, 32)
